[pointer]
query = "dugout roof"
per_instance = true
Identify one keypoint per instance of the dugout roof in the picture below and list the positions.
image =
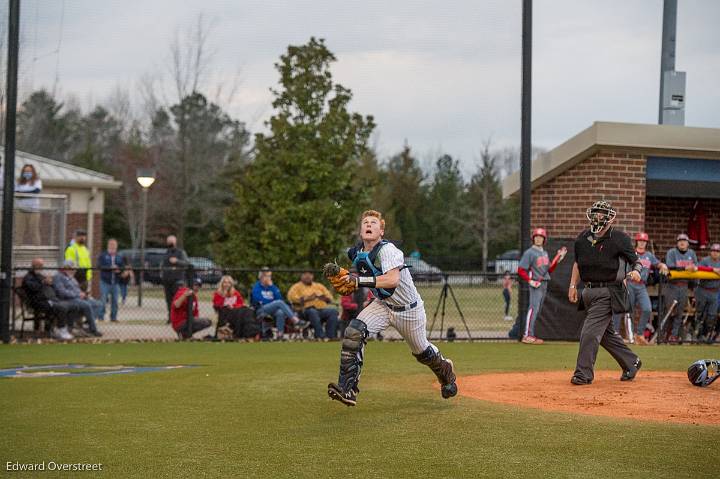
(55, 173)
(677, 156)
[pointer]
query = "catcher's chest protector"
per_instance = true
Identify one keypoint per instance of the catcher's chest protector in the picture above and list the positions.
(364, 263)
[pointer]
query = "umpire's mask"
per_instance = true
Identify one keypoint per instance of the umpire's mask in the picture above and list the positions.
(600, 214)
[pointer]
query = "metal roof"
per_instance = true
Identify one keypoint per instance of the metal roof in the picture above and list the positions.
(60, 174)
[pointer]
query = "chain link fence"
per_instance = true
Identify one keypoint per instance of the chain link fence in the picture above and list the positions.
(458, 306)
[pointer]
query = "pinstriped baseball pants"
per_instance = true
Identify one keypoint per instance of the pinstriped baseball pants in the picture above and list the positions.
(410, 324)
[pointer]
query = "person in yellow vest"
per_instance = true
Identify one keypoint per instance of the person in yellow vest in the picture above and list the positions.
(78, 253)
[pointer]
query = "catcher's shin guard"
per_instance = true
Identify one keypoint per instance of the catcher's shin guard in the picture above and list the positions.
(351, 361)
(443, 369)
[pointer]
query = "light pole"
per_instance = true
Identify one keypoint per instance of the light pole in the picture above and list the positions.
(146, 177)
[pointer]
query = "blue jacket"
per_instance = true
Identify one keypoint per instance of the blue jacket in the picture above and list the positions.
(262, 295)
(66, 287)
(105, 263)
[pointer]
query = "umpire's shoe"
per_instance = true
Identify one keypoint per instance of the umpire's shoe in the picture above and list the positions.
(578, 381)
(629, 374)
(349, 398)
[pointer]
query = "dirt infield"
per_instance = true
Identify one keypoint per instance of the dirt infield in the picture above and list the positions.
(652, 396)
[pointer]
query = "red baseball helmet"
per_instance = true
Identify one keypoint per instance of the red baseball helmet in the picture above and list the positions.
(642, 237)
(539, 232)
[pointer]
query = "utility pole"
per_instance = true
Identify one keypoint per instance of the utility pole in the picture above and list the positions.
(6, 272)
(525, 152)
(672, 83)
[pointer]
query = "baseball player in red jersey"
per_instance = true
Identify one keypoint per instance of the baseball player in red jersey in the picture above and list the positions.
(535, 268)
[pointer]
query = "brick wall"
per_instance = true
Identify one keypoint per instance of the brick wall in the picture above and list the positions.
(559, 205)
(667, 217)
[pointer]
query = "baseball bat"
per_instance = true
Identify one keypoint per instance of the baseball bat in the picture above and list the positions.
(661, 326)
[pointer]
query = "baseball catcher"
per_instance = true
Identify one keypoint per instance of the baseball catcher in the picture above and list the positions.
(380, 267)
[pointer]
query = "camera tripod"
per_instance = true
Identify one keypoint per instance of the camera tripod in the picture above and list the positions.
(441, 303)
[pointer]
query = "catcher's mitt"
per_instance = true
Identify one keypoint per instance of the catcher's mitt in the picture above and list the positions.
(335, 274)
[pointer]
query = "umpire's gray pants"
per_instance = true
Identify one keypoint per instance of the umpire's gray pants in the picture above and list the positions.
(598, 330)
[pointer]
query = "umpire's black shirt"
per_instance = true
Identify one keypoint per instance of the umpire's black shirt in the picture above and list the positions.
(598, 259)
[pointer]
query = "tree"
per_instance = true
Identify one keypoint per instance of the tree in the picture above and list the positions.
(445, 237)
(195, 145)
(42, 128)
(492, 220)
(95, 140)
(298, 201)
(403, 180)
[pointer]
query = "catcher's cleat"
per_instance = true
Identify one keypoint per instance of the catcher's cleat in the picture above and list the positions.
(629, 374)
(449, 390)
(349, 398)
(443, 368)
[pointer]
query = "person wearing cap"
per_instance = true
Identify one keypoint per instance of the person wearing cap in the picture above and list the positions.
(535, 268)
(79, 254)
(179, 312)
(637, 290)
(706, 294)
(680, 258)
(268, 301)
(314, 301)
(67, 288)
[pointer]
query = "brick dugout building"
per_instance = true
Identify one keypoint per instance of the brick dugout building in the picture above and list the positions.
(653, 174)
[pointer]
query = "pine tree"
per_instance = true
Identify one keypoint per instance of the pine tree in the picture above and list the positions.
(297, 202)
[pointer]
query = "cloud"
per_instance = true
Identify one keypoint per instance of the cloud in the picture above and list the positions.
(443, 75)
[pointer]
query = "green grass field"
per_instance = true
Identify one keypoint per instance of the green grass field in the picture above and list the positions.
(261, 410)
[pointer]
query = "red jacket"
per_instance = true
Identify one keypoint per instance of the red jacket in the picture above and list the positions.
(235, 300)
(178, 316)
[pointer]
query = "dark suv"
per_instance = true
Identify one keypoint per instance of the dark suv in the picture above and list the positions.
(153, 262)
(206, 269)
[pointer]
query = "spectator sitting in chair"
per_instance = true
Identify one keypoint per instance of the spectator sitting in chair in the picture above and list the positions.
(231, 309)
(67, 288)
(42, 299)
(268, 301)
(179, 311)
(314, 299)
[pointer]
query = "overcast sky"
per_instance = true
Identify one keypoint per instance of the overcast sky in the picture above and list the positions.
(443, 75)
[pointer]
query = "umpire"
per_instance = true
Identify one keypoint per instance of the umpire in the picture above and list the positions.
(598, 254)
